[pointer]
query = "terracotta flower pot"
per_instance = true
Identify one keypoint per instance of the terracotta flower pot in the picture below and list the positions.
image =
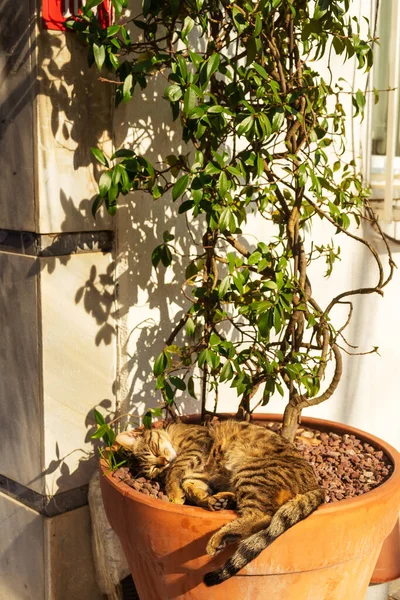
(328, 556)
(387, 567)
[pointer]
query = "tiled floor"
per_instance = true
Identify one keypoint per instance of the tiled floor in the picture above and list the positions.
(394, 590)
(385, 591)
(389, 591)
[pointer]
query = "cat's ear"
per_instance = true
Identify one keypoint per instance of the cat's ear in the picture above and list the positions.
(128, 439)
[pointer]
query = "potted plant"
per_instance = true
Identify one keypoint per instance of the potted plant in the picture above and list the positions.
(265, 136)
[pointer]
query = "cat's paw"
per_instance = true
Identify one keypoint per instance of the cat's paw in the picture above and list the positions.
(176, 498)
(219, 541)
(221, 501)
(213, 545)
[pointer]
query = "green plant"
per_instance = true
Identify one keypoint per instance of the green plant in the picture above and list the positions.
(265, 132)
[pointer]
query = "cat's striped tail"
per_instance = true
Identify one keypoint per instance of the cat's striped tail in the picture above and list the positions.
(290, 513)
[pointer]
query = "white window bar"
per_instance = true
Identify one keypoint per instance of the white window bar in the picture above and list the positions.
(392, 112)
(76, 5)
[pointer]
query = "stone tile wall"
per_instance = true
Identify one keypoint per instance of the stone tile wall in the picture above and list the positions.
(57, 351)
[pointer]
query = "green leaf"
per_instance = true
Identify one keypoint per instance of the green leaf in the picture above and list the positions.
(190, 388)
(180, 186)
(239, 20)
(212, 65)
(277, 320)
(168, 393)
(182, 66)
(211, 169)
(261, 71)
(270, 285)
(118, 6)
(263, 324)
(166, 256)
(260, 165)
(173, 93)
(251, 49)
(302, 174)
(91, 4)
(147, 419)
(254, 258)
(196, 59)
(226, 371)
(123, 153)
(224, 287)
(258, 25)
(222, 184)
(245, 125)
(225, 218)
(345, 221)
(160, 382)
(112, 30)
(202, 358)
(146, 5)
(212, 359)
(239, 282)
(277, 121)
(113, 59)
(262, 306)
(98, 417)
(99, 156)
(127, 88)
(100, 432)
(235, 171)
(112, 193)
(156, 256)
(110, 206)
(189, 100)
(215, 110)
(178, 382)
(105, 183)
(160, 364)
(231, 262)
(97, 202)
(188, 25)
(99, 53)
(185, 206)
(156, 412)
(190, 327)
(158, 191)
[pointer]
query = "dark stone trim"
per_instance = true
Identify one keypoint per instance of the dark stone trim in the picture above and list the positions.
(48, 506)
(55, 244)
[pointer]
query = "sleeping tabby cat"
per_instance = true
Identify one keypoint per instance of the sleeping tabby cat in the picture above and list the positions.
(178, 454)
(274, 486)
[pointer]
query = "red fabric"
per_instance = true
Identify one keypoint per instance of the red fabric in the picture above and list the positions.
(52, 13)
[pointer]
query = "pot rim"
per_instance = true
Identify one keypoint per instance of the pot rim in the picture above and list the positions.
(390, 487)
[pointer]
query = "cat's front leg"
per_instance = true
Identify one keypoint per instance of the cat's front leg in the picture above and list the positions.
(239, 529)
(197, 491)
(174, 490)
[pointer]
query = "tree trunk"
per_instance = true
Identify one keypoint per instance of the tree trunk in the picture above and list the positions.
(291, 420)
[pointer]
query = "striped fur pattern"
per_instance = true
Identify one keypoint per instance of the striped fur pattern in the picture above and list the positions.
(178, 454)
(274, 486)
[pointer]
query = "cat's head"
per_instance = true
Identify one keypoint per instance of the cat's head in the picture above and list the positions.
(151, 449)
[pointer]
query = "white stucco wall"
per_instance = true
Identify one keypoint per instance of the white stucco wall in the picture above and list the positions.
(367, 396)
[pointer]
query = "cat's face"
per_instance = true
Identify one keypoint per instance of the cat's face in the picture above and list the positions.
(151, 448)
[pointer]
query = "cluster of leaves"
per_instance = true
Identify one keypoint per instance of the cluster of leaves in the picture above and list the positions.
(107, 434)
(266, 131)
